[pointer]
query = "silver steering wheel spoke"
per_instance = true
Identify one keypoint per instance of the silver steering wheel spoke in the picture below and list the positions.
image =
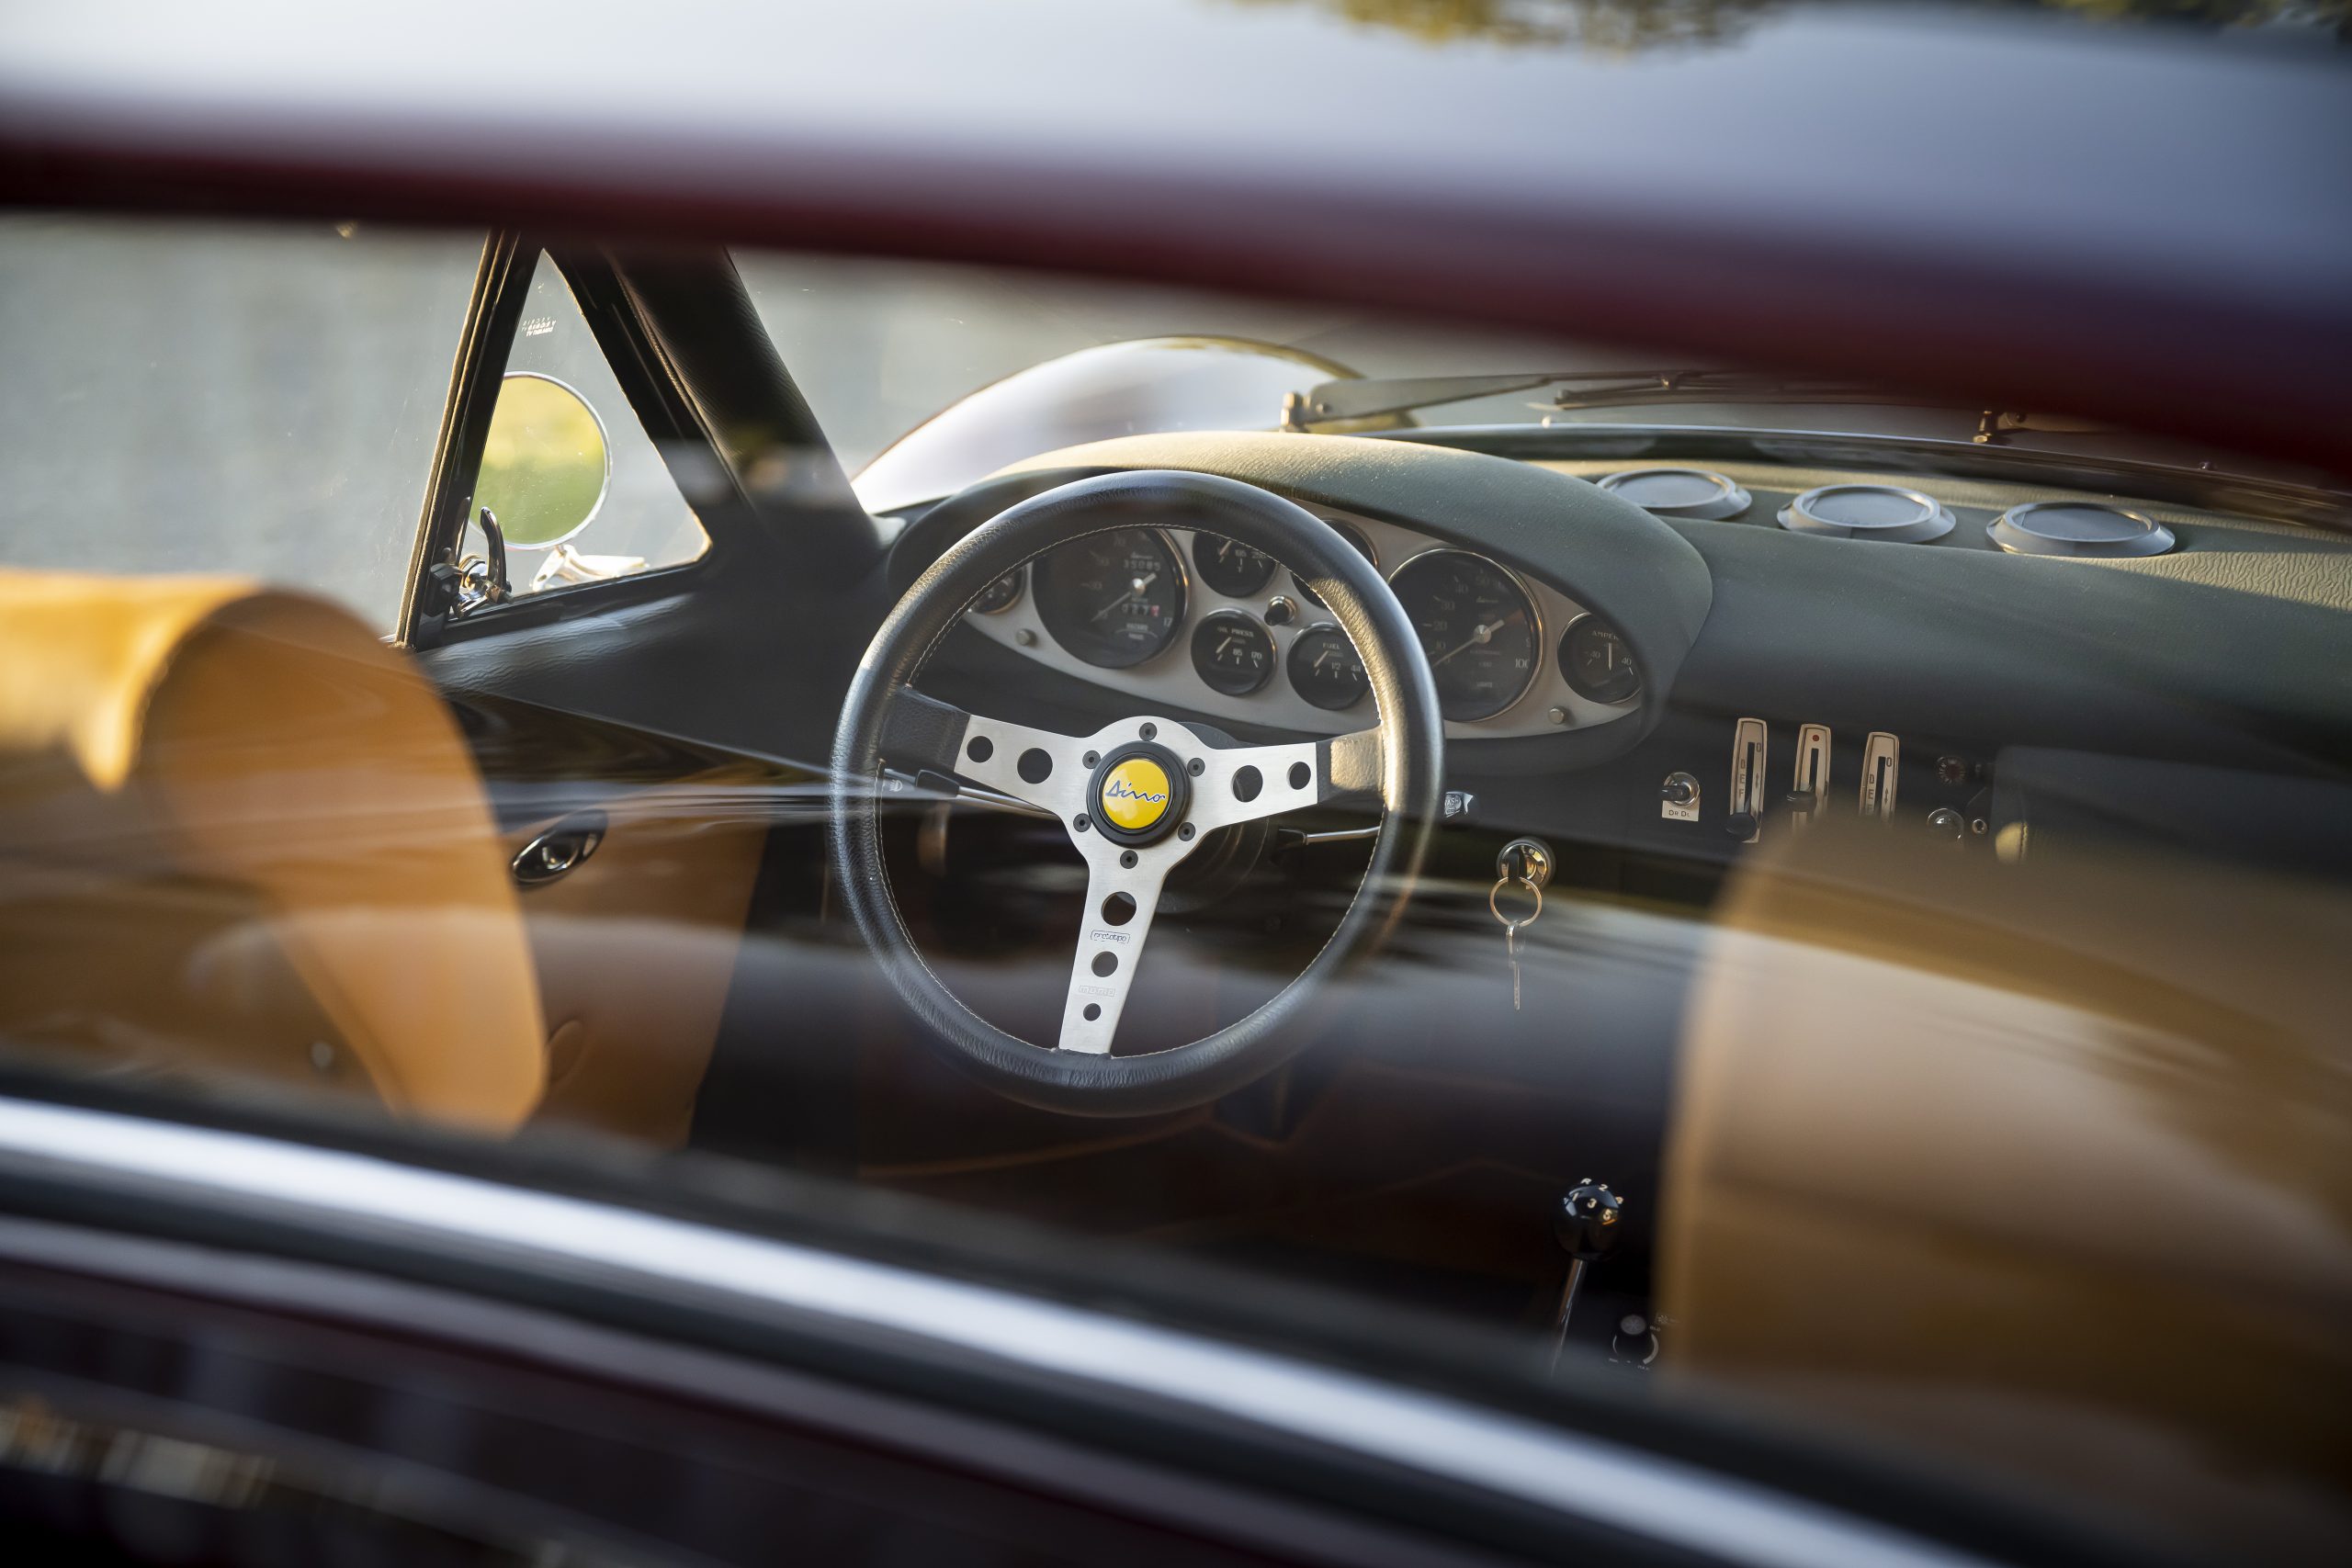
(1119, 902)
(1135, 798)
(1037, 767)
(1241, 783)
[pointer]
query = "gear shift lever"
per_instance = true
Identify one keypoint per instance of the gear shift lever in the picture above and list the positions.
(1585, 1223)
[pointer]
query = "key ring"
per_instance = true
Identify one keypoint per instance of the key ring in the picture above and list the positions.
(1495, 908)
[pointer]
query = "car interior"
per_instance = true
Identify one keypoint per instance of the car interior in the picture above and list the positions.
(1763, 885)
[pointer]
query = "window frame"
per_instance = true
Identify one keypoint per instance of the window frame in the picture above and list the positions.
(656, 398)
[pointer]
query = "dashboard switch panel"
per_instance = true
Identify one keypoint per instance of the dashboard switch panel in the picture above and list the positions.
(1881, 757)
(1749, 742)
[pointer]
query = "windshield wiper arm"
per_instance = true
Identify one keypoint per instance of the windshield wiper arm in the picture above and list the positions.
(1333, 402)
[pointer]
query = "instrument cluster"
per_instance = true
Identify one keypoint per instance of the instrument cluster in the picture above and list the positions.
(1196, 621)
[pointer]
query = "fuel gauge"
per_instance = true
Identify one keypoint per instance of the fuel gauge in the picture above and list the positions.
(1325, 669)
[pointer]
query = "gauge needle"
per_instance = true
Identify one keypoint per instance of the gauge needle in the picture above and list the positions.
(1140, 584)
(1473, 640)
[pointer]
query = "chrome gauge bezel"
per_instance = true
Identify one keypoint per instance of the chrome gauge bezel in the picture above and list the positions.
(1201, 571)
(1290, 674)
(1275, 655)
(1567, 665)
(1537, 629)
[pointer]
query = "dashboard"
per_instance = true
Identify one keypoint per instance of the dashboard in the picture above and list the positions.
(1185, 619)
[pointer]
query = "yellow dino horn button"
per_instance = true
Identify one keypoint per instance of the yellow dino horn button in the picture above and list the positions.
(1135, 794)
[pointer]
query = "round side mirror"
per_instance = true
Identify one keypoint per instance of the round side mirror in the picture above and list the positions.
(545, 466)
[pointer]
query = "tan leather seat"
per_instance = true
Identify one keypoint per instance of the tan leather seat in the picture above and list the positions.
(2044, 1169)
(239, 835)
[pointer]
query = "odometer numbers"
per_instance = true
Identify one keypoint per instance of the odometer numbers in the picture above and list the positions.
(1114, 599)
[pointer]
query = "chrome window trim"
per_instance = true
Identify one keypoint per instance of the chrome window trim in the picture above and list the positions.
(1568, 1473)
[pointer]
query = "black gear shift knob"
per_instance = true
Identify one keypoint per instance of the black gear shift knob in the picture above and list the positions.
(1584, 1221)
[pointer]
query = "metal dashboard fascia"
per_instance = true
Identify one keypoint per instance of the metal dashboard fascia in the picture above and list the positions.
(1169, 680)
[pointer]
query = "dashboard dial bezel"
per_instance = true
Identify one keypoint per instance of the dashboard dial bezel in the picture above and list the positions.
(1539, 636)
(1202, 571)
(1290, 673)
(1568, 666)
(1227, 620)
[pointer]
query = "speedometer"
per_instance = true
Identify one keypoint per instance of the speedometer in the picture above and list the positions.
(1114, 599)
(1478, 627)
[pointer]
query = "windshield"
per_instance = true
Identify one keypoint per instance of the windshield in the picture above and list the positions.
(882, 349)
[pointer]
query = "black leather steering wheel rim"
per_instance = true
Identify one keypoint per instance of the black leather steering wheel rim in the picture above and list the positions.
(880, 715)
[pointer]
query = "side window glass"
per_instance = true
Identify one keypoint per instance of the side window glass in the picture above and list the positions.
(256, 399)
(578, 488)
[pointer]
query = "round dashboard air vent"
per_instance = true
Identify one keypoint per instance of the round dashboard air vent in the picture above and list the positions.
(2077, 529)
(1679, 493)
(1885, 512)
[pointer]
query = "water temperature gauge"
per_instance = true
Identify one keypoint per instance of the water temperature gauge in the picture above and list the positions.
(1233, 653)
(1597, 661)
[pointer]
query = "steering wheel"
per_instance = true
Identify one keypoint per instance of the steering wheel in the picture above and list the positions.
(1138, 795)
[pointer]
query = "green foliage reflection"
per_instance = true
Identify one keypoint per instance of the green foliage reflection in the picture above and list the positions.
(1627, 25)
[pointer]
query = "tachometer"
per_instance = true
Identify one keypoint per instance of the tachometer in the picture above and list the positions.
(1325, 669)
(1477, 625)
(1114, 599)
(1597, 661)
(1233, 569)
(1233, 653)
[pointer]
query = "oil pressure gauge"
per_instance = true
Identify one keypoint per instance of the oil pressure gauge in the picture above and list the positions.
(1233, 653)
